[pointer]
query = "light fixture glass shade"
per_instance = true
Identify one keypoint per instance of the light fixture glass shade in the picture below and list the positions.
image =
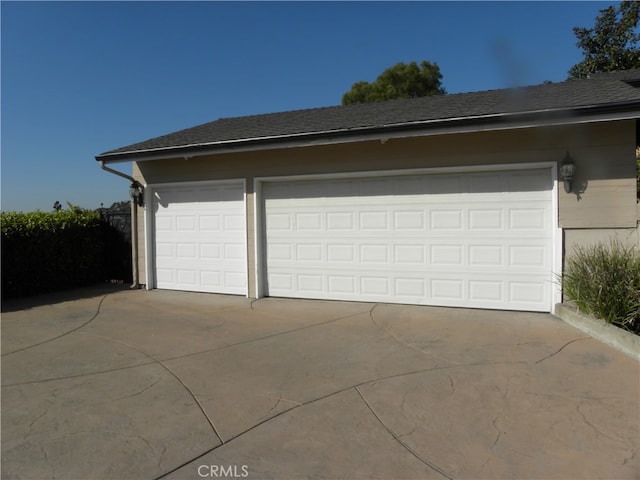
(567, 172)
(135, 191)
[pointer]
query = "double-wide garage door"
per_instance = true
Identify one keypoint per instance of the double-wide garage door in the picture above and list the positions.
(463, 239)
(200, 238)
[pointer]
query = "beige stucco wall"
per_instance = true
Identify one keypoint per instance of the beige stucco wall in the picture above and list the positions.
(603, 152)
(629, 237)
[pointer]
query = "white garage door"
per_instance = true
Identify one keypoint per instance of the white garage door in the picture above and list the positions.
(465, 239)
(200, 238)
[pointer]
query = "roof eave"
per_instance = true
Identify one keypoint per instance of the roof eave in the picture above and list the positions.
(501, 121)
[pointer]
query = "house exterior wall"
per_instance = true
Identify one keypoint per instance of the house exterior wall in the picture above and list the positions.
(629, 237)
(604, 154)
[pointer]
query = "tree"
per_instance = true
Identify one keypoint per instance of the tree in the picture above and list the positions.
(612, 44)
(400, 81)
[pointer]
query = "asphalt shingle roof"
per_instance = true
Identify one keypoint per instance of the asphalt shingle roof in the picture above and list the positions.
(615, 90)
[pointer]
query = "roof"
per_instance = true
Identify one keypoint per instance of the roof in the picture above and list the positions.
(602, 93)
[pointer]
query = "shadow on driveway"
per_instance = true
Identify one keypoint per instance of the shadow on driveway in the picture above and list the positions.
(135, 384)
(24, 303)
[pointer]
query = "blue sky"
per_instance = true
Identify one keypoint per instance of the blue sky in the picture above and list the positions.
(81, 78)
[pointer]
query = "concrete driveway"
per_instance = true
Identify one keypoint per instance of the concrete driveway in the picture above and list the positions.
(145, 385)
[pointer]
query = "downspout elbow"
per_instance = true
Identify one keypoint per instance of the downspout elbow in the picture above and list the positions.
(103, 166)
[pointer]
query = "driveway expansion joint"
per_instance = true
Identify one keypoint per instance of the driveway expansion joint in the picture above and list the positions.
(398, 439)
(95, 315)
(404, 342)
(174, 375)
(79, 375)
(562, 348)
(168, 359)
(331, 394)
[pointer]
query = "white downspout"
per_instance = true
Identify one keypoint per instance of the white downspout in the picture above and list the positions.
(135, 186)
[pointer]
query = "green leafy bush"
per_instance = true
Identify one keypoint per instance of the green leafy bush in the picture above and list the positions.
(43, 251)
(604, 280)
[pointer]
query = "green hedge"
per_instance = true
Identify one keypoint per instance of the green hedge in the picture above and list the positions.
(604, 280)
(43, 252)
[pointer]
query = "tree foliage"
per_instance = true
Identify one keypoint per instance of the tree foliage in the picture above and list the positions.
(400, 81)
(612, 44)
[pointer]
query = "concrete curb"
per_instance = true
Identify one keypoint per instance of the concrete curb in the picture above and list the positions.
(625, 342)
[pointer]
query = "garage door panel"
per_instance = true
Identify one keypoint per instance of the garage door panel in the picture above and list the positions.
(209, 223)
(533, 256)
(337, 252)
(482, 255)
(409, 254)
(374, 253)
(200, 239)
(486, 219)
(338, 221)
(409, 288)
(234, 253)
(305, 252)
(209, 251)
(305, 221)
(442, 290)
(342, 285)
(487, 291)
(527, 292)
(486, 256)
(187, 277)
(447, 255)
(164, 224)
(373, 220)
(164, 275)
(476, 239)
(235, 280)
(233, 223)
(210, 278)
(309, 283)
(373, 285)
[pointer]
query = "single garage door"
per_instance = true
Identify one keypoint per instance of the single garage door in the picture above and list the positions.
(480, 239)
(200, 238)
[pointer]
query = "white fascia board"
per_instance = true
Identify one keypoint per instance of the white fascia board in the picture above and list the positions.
(430, 128)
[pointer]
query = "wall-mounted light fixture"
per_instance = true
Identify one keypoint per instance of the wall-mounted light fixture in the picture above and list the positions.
(567, 172)
(136, 190)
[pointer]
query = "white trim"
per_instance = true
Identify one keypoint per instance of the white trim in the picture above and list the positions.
(259, 239)
(149, 232)
(558, 244)
(407, 171)
(148, 237)
(331, 137)
(259, 226)
(246, 234)
(196, 183)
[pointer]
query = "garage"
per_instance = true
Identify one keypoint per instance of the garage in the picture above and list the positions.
(480, 239)
(199, 238)
(466, 200)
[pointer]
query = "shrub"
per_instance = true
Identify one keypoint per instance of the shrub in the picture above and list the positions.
(43, 251)
(604, 280)
(638, 173)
